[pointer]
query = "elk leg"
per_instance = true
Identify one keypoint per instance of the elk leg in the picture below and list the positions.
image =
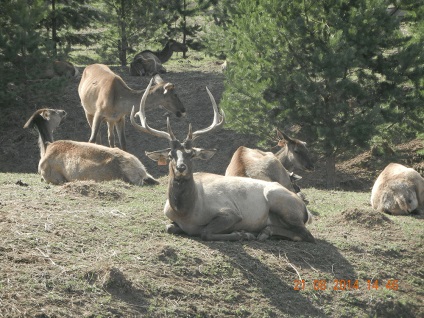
(173, 228)
(298, 233)
(224, 222)
(120, 130)
(97, 120)
(111, 134)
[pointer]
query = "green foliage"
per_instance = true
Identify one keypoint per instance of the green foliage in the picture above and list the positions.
(131, 26)
(339, 69)
(22, 45)
(65, 20)
(181, 17)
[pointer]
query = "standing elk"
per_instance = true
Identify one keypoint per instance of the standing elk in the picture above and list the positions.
(65, 160)
(105, 96)
(398, 190)
(216, 207)
(149, 63)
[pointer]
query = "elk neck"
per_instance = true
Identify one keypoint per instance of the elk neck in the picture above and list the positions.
(45, 134)
(165, 54)
(181, 192)
(284, 157)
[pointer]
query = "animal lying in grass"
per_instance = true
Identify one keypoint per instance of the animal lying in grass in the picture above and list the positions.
(398, 190)
(218, 207)
(66, 160)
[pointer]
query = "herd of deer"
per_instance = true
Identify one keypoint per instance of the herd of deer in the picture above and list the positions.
(255, 199)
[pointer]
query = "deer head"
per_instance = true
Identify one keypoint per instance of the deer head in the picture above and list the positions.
(179, 154)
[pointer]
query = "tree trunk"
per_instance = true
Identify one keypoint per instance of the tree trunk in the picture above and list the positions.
(330, 166)
(54, 28)
(123, 43)
(184, 29)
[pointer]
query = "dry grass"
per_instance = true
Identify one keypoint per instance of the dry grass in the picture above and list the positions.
(99, 250)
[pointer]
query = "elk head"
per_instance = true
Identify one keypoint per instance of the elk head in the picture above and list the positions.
(179, 154)
(295, 152)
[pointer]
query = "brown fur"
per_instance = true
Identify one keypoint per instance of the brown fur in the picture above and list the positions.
(150, 63)
(61, 68)
(398, 190)
(65, 160)
(218, 207)
(253, 163)
(106, 97)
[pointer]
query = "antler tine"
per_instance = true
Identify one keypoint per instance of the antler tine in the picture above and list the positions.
(218, 119)
(144, 127)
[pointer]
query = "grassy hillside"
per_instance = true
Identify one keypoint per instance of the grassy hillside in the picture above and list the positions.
(100, 250)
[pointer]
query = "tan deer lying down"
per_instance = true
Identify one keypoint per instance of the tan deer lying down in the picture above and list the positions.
(398, 190)
(61, 68)
(257, 164)
(216, 207)
(65, 160)
(105, 97)
(150, 63)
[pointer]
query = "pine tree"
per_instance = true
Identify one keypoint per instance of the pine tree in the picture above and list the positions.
(65, 20)
(339, 69)
(132, 26)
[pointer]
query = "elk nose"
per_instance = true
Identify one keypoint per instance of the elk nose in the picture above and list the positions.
(181, 167)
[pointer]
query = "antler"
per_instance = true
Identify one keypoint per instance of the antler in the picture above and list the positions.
(144, 127)
(218, 120)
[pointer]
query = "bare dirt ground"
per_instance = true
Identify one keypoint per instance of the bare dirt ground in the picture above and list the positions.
(19, 151)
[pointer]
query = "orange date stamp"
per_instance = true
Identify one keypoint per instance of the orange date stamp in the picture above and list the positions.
(347, 284)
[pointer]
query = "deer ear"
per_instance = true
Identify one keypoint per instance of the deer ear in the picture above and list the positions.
(294, 177)
(203, 154)
(168, 87)
(157, 79)
(159, 155)
(45, 114)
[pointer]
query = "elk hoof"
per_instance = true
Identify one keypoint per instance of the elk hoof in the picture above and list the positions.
(247, 236)
(265, 234)
(173, 229)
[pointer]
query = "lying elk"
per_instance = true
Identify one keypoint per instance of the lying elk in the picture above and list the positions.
(257, 164)
(61, 68)
(218, 207)
(293, 153)
(149, 63)
(105, 96)
(65, 160)
(398, 190)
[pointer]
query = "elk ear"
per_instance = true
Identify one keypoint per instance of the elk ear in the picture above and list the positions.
(203, 154)
(168, 87)
(159, 155)
(45, 114)
(157, 79)
(294, 177)
(284, 136)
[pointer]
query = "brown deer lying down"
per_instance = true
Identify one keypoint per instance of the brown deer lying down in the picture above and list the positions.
(65, 160)
(398, 190)
(61, 68)
(150, 63)
(105, 96)
(257, 164)
(216, 207)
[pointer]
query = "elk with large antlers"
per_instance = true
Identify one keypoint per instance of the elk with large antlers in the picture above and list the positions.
(216, 207)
